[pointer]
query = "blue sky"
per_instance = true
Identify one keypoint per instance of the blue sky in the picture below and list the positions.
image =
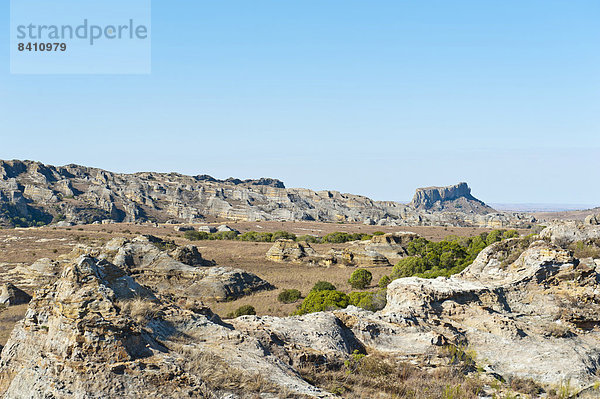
(374, 98)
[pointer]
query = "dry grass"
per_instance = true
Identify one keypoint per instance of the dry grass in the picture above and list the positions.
(8, 317)
(141, 310)
(381, 376)
(217, 375)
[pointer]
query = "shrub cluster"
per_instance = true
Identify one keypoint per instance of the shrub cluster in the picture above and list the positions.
(430, 259)
(262, 236)
(289, 296)
(324, 296)
(243, 310)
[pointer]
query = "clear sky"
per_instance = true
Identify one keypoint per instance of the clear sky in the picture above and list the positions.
(368, 97)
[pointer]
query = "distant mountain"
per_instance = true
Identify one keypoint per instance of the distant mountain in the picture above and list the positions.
(456, 198)
(32, 193)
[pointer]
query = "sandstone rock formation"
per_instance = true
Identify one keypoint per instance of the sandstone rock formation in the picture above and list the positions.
(97, 333)
(291, 251)
(383, 250)
(525, 309)
(32, 193)
(454, 198)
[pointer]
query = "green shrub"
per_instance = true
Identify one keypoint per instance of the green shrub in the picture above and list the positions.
(360, 279)
(318, 301)
(289, 296)
(378, 233)
(256, 236)
(323, 286)
(429, 259)
(341, 237)
(372, 301)
(193, 235)
(283, 235)
(242, 311)
(309, 239)
(224, 235)
(384, 281)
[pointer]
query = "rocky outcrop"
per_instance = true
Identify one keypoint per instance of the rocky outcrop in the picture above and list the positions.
(97, 333)
(451, 198)
(564, 233)
(383, 250)
(291, 251)
(11, 295)
(177, 271)
(524, 309)
(32, 193)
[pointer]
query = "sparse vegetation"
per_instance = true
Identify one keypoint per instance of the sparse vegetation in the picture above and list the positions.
(382, 376)
(243, 310)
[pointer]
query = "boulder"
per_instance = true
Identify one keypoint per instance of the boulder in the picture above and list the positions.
(11, 295)
(291, 251)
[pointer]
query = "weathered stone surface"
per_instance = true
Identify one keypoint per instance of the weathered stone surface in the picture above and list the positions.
(569, 232)
(381, 250)
(189, 255)
(80, 194)
(171, 273)
(97, 333)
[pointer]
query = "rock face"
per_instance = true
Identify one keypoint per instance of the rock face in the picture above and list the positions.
(97, 333)
(32, 193)
(452, 198)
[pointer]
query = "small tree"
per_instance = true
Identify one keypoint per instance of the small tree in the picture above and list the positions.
(323, 286)
(289, 296)
(360, 279)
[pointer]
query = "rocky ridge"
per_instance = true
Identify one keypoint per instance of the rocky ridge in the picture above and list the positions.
(33, 193)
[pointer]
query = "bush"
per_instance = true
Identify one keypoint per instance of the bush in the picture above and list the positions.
(256, 236)
(378, 233)
(309, 239)
(193, 235)
(323, 286)
(283, 235)
(340, 237)
(318, 301)
(360, 279)
(289, 296)
(242, 311)
(224, 235)
(372, 301)
(384, 281)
